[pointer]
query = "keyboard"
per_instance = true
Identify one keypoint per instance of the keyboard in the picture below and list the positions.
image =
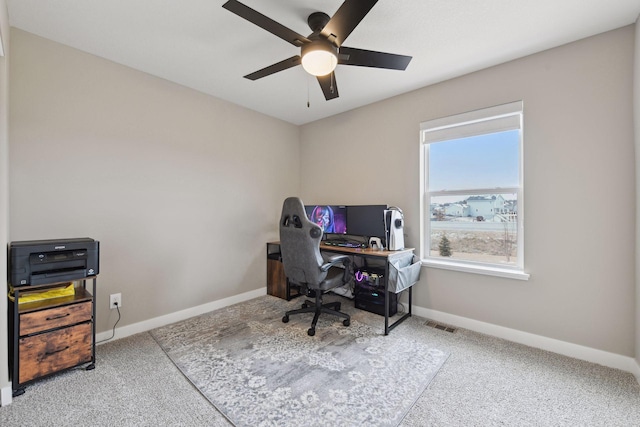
(343, 243)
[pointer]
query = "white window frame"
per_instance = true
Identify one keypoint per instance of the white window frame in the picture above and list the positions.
(479, 122)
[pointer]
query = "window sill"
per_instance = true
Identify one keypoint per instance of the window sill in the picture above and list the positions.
(476, 269)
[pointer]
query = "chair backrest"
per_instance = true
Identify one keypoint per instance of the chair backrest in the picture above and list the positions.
(300, 245)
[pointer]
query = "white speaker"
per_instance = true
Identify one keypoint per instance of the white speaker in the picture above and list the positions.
(394, 226)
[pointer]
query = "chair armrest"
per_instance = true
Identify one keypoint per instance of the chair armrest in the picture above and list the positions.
(343, 260)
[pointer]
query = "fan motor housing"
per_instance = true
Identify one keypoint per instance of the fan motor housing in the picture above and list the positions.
(319, 44)
(317, 21)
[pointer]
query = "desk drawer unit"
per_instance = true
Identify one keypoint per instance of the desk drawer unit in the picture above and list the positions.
(276, 280)
(54, 339)
(44, 320)
(50, 352)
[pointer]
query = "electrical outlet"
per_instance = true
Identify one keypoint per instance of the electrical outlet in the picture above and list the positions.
(115, 300)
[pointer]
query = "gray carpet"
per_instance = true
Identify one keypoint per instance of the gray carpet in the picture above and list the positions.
(258, 371)
(485, 382)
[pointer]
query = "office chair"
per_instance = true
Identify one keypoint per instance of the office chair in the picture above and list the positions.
(304, 265)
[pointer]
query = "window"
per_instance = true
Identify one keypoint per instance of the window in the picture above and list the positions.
(472, 186)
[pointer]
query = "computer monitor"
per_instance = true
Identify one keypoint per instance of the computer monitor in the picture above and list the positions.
(331, 218)
(366, 220)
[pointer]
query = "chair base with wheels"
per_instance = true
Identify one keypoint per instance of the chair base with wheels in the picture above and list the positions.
(318, 308)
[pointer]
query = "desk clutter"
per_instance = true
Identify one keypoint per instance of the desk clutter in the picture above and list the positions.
(369, 292)
(65, 290)
(376, 226)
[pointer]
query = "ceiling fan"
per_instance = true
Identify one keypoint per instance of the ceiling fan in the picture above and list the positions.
(322, 50)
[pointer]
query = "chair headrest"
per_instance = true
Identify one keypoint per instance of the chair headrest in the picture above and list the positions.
(294, 215)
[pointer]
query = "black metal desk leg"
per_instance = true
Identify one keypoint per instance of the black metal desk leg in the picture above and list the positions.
(410, 291)
(92, 365)
(386, 297)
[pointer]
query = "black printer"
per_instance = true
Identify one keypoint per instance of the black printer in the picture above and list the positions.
(39, 262)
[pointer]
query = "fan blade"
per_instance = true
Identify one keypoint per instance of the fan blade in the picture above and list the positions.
(271, 69)
(370, 58)
(346, 19)
(329, 86)
(265, 23)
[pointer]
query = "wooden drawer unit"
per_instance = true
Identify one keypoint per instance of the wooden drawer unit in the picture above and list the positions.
(276, 280)
(49, 336)
(40, 321)
(277, 283)
(50, 352)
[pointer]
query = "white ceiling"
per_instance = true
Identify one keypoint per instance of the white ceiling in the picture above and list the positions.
(198, 44)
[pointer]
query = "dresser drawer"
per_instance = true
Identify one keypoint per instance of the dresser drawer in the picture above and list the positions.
(53, 351)
(44, 320)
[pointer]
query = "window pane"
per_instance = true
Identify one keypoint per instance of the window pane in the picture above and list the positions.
(475, 228)
(484, 161)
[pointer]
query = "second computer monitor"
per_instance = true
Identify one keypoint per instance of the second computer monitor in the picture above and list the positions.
(366, 220)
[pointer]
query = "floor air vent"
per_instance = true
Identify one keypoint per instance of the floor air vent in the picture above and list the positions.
(440, 326)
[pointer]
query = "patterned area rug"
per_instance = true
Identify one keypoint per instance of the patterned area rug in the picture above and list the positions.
(258, 371)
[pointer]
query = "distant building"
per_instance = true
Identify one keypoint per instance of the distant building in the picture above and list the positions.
(456, 209)
(486, 206)
(483, 206)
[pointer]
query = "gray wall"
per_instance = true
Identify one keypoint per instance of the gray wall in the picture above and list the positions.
(181, 189)
(579, 187)
(636, 115)
(4, 193)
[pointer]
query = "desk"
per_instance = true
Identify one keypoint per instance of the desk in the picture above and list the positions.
(387, 256)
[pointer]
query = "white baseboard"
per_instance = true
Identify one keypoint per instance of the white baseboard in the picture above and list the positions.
(577, 351)
(6, 395)
(605, 358)
(167, 319)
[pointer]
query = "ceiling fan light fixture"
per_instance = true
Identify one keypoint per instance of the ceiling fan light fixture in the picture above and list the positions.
(319, 57)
